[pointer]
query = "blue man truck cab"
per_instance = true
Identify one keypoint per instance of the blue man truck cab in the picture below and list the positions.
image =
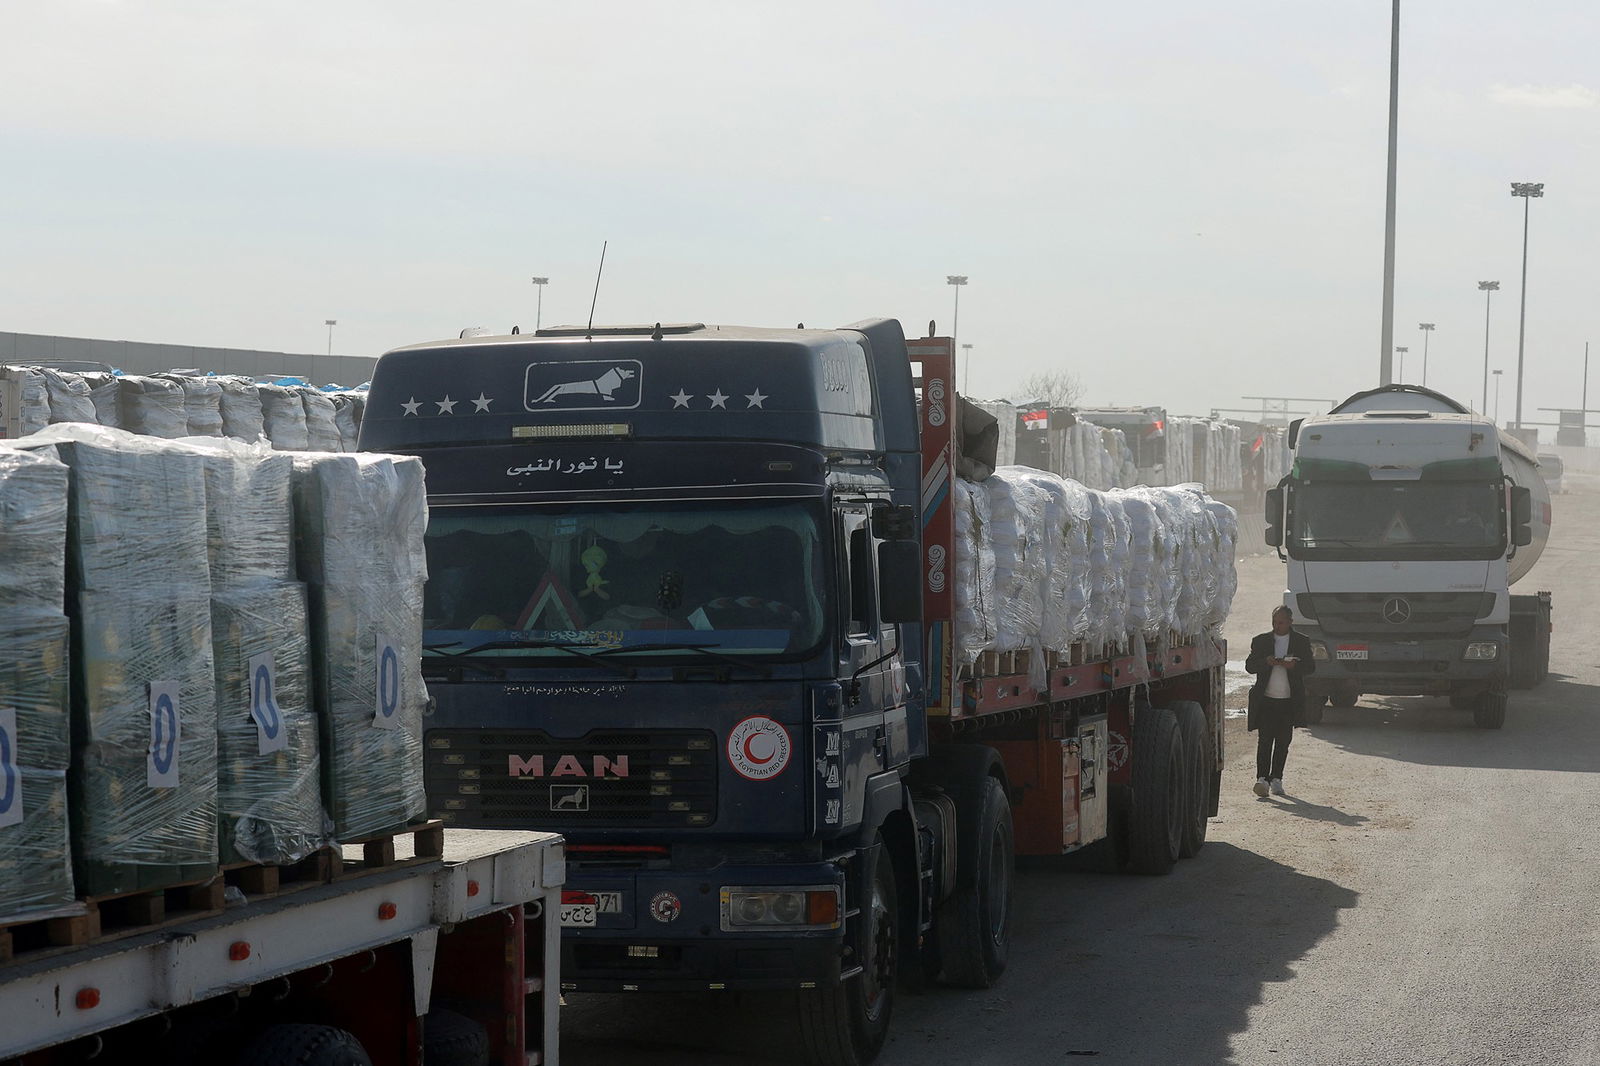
(689, 604)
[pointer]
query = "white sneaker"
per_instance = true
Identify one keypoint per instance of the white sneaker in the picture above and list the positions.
(1260, 787)
(1277, 786)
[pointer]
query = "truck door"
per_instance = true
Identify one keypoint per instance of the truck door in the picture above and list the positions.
(871, 668)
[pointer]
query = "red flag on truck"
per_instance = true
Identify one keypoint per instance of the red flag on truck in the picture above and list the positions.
(1036, 420)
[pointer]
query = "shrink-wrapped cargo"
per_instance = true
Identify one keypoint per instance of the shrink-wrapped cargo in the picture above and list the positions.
(35, 750)
(359, 525)
(974, 572)
(249, 525)
(24, 391)
(104, 393)
(1226, 524)
(69, 397)
(33, 531)
(151, 406)
(1149, 596)
(240, 405)
(202, 404)
(322, 431)
(348, 409)
(1018, 535)
(283, 417)
(269, 791)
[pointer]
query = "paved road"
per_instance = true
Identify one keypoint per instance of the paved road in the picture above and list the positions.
(1427, 894)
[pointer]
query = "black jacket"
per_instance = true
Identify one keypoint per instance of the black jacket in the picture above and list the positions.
(1261, 648)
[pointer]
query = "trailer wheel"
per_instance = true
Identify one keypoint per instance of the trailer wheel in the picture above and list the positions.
(1490, 713)
(451, 1039)
(1199, 757)
(845, 1024)
(974, 925)
(294, 1044)
(1160, 788)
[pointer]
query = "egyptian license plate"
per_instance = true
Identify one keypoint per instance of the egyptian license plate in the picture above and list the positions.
(581, 910)
(1350, 651)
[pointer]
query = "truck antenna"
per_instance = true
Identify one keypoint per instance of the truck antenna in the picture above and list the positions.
(596, 299)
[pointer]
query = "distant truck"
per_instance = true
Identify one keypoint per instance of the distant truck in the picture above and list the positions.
(1404, 520)
(1146, 431)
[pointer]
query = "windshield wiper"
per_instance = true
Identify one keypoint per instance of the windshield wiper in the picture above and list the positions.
(575, 650)
(703, 649)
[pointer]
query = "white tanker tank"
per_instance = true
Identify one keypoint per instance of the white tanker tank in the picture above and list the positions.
(1404, 521)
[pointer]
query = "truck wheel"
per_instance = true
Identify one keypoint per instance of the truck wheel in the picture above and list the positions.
(451, 1039)
(845, 1024)
(974, 924)
(1490, 713)
(1341, 697)
(1159, 788)
(304, 1045)
(1199, 757)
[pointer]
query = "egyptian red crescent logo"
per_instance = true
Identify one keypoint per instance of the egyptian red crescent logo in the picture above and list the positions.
(759, 748)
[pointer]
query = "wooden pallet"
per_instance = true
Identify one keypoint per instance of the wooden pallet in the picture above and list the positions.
(276, 879)
(420, 843)
(97, 919)
(62, 926)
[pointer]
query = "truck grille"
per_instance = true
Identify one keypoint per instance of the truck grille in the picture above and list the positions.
(607, 779)
(1426, 613)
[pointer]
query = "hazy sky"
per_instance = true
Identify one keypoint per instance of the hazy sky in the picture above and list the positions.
(1182, 202)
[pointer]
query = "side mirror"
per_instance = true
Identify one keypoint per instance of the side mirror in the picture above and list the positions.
(894, 522)
(1521, 516)
(1274, 517)
(899, 581)
(1294, 432)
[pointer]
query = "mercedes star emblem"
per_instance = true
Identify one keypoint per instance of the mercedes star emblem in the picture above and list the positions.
(1396, 610)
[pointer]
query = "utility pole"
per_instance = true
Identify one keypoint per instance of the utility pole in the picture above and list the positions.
(1385, 368)
(1489, 288)
(958, 280)
(1427, 330)
(538, 314)
(330, 323)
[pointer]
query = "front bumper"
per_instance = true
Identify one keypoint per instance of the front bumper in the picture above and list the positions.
(1426, 666)
(667, 935)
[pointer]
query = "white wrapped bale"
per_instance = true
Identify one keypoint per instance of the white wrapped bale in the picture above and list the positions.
(1017, 532)
(1108, 571)
(1225, 522)
(151, 406)
(33, 397)
(283, 418)
(69, 397)
(322, 429)
(202, 404)
(1005, 415)
(240, 406)
(348, 410)
(104, 393)
(359, 525)
(1148, 597)
(974, 572)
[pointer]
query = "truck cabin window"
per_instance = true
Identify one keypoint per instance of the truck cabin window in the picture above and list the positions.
(1345, 520)
(739, 579)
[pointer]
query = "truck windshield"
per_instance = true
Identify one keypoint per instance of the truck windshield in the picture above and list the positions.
(679, 581)
(1397, 520)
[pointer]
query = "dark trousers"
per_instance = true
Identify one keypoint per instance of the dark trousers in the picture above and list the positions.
(1274, 732)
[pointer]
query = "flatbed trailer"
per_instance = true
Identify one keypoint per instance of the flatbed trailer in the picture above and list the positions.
(472, 930)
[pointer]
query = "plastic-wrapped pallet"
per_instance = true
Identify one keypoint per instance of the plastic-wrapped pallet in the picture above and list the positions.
(69, 397)
(283, 417)
(359, 525)
(1020, 537)
(1107, 604)
(974, 572)
(1071, 565)
(1149, 600)
(33, 397)
(1194, 541)
(1226, 524)
(35, 738)
(144, 774)
(348, 409)
(151, 407)
(249, 526)
(1006, 415)
(103, 393)
(202, 404)
(322, 430)
(240, 405)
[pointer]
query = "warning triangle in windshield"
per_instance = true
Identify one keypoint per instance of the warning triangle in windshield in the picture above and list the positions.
(1398, 531)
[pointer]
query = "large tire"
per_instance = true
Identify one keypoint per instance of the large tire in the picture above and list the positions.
(294, 1044)
(451, 1039)
(1160, 785)
(845, 1024)
(1490, 712)
(1341, 697)
(974, 924)
(1199, 756)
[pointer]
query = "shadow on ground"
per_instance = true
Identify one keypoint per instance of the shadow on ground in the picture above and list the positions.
(1553, 727)
(1134, 969)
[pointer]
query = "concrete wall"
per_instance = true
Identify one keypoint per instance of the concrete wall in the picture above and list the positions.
(136, 357)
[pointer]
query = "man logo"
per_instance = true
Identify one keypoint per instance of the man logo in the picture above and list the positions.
(569, 798)
(1396, 610)
(585, 385)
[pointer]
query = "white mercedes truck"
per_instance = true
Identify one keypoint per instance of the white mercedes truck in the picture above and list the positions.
(1404, 520)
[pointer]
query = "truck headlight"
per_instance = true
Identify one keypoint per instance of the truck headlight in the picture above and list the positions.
(1482, 651)
(811, 907)
(1319, 651)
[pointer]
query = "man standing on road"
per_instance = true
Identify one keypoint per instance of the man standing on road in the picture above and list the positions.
(1280, 660)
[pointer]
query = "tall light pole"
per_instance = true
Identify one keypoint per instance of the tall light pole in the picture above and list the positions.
(1497, 374)
(1489, 288)
(330, 323)
(1426, 328)
(1400, 374)
(957, 280)
(1384, 366)
(1528, 190)
(966, 368)
(538, 314)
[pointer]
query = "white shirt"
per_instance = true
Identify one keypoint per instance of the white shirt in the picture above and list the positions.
(1278, 683)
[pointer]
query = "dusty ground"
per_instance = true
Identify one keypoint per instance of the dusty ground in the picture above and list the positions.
(1426, 894)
